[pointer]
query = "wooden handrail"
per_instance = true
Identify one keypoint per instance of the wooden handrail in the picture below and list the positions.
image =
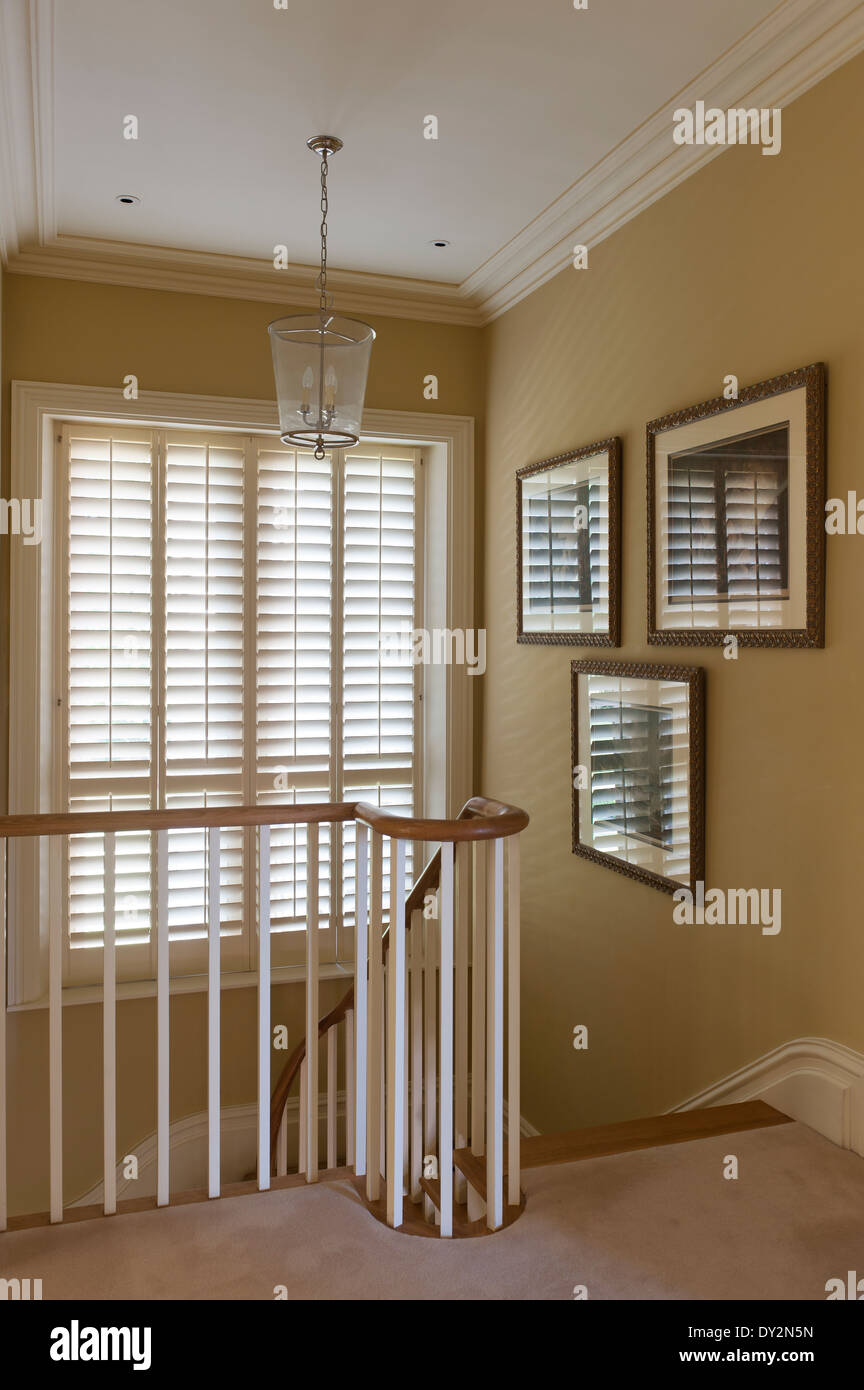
(480, 819)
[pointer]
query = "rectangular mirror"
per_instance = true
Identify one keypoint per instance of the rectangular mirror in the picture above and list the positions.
(638, 770)
(568, 554)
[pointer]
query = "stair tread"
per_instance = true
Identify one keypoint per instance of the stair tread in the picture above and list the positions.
(432, 1188)
(625, 1136)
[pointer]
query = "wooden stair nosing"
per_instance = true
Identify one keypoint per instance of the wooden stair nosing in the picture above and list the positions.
(627, 1136)
(432, 1188)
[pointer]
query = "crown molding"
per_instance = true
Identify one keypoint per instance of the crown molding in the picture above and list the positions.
(240, 277)
(779, 59)
(776, 61)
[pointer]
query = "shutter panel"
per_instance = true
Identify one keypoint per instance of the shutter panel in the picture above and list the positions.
(380, 567)
(109, 482)
(203, 691)
(294, 658)
(693, 560)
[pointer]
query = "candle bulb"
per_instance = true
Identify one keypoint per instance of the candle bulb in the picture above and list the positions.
(330, 387)
(308, 383)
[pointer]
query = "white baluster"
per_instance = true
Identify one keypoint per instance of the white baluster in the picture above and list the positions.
(302, 1147)
(462, 929)
(349, 1088)
(374, 1049)
(382, 1070)
(495, 1039)
(332, 1070)
(396, 1035)
(3, 937)
(214, 1114)
(55, 1029)
(163, 1004)
(312, 1002)
(478, 1021)
(416, 950)
(109, 1025)
(430, 1048)
(514, 1103)
(445, 1085)
(406, 1074)
(361, 996)
(264, 1007)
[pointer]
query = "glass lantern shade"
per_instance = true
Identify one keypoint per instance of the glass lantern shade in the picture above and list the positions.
(320, 365)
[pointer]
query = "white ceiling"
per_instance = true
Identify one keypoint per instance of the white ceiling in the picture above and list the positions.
(528, 97)
(532, 101)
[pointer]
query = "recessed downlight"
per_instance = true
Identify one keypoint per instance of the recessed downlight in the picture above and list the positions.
(127, 198)
(440, 243)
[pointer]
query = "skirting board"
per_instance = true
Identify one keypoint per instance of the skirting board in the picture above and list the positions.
(815, 1080)
(188, 1150)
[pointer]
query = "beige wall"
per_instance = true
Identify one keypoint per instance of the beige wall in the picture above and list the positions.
(64, 331)
(753, 266)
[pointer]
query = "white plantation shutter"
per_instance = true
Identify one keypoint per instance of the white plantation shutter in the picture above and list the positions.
(223, 615)
(694, 563)
(294, 672)
(107, 547)
(379, 686)
(203, 650)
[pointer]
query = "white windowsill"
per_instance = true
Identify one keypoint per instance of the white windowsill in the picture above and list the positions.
(189, 984)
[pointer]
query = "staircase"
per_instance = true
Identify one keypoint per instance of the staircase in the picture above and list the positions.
(424, 1046)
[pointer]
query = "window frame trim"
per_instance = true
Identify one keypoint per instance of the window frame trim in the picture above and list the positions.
(447, 442)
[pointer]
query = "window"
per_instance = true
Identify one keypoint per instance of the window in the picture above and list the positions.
(222, 602)
(728, 520)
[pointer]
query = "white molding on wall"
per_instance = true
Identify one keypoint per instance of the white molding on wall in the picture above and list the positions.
(188, 1148)
(798, 44)
(815, 1080)
(242, 277)
(791, 50)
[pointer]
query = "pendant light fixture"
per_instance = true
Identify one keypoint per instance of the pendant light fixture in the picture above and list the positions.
(321, 360)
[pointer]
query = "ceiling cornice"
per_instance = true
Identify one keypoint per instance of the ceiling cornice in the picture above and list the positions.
(791, 50)
(241, 277)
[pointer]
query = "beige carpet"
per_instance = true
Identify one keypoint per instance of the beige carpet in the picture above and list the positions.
(658, 1224)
